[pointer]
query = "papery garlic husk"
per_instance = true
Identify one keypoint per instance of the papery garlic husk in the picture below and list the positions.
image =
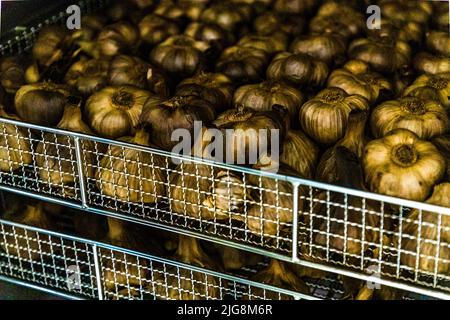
(407, 31)
(155, 29)
(329, 48)
(41, 103)
(183, 284)
(133, 71)
(354, 140)
(277, 274)
(324, 117)
(383, 53)
(407, 10)
(132, 175)
(12, 74)
(50, 45)
(262, 96)
(425, 118)
(357, 78)
(180, 112)
(432, 63)
(300, 153)
(438, 42)
(298, 69)
(88, 75)
(351, 231)
(304, 7)
(114, 112)
(270, 44)
(420, 232)
(210, 33)
(443, 145)
(402, 165)
(228, 16)
(22, 243)
(15, 146)
(270, 22)
(118, 38)
(216, 88)
(181, 55)
(56, 155)
(431, 87)
(180, 10)
(243, 65)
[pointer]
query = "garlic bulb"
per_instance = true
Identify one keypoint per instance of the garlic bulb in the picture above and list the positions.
(300, 153)
(228, 16)
(438, 42)
(324, 117)
(118, 38)
(354, 140)
(243, 65)
(326, 47)
(92, 24)
(12, 74)
(114, 112)
(402, 165)
(277, 274)
(165, 116)
(155, 29)
(41, 103)
(210, 33)
(407, 10)
(430, 228)
(295, 6)
(183, 284)
(50, 45)
(407, 31)
(15, 147)
(131, 175)
(216, 88)
(180, 10)
(430, 63)
(19, 240)
(55, 154)
(443, 145)
(356, 78)
(181, 55)
(133, 71)
(383, 53)
(262, 96)
(88, 75)
(270, 44)
(298, 69)
(425, 118)
(270, 22)
(431, 87)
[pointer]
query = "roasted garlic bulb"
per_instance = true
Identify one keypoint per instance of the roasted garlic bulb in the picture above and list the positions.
(425, 118)
(402, 165)
(154, 29)
(210, 33)
(114, 112)
(263, 96)
(41, 103)
(439, 42)
(181, 10)
(443, 145)
(324, 117)
(432, 63)
(270, 44)
(431, 87)
(295, 6)
(270, 22)
(403, 30)
(50, 45)
(407, 10)
(300, 153)
(228, 16)
(356, 78)
(298, 69)
(131, 175)
(118, 38)
(88, 75)
(12, 74)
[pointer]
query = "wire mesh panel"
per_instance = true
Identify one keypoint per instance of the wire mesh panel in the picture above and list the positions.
(381, 238)
(39, 161)
(46, 260)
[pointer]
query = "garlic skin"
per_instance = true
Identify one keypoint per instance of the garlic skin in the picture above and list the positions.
(438, 42)
(41, 103)
(270, 44)
(431, 87)
(131, 175)
(15, 147)
(154, 29)
(181, 55)
(402, 165)
(88, 75)
(324, 117)
(295, 6)
(262, 96)
(118, 38)
(426, 62)
(407, 30)
(425, 118)
(329, 48)
(180, 10)
(356, 78)
(210, 33)
(407, 10)
(300, 153)
(229, 17)
(50, 45)
(432, 225)
(270, 22)
(298, 69)
(243, 65)
(12, 74)
(114, 112)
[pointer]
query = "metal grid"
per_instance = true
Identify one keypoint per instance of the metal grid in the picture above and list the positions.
(94, 270)
(354, 233)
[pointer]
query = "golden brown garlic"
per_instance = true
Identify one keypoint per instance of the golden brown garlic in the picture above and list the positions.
(270, 44)
(438, 42)
(431, 87)
(50, 45)
(118, 38)
(181, 10)
(88, 75)
(432, 63)
(407, 10)
(228, 16)
(12, 74)
(300, 153)
(155, 29)
(443, 145)
(210, 33)
(270, 22)
(295, 6)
